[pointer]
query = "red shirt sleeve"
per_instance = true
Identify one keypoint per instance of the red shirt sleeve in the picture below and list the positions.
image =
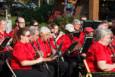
(66, 42)
(100, 54)
(19, 53)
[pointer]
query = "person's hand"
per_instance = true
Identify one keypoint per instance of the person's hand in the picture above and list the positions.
(53, 58)
(83, 54)
(50, 58)
(40, 60)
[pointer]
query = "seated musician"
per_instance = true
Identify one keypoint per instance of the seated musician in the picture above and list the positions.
(56, 31)
(78, 34)
(23, 56)
(99, 54)
(3, 53)
(89, 31)
(48, 47)
(35, 44)
(3, 34)
(67, 40)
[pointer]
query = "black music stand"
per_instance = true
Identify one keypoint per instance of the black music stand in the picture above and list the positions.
(4, 43)
(86, 45)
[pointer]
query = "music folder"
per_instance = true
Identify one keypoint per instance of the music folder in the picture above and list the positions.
(86, 45)
(4, 43)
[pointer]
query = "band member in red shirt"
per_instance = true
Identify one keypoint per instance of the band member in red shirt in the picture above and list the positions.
(66, 39)
(19, 23)
(3, 34)
(4, 48)
(55, 31)
(78, 34)
(24, 56)
(46, 42)
(35, 44)
(49, 48)
(99, 56)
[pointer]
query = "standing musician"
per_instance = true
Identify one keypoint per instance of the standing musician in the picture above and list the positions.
(99, 56)
(24, 56)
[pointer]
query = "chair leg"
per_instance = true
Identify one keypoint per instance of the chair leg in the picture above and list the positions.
(13, 74)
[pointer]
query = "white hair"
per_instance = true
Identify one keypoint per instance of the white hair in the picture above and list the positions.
(45, 29)
(69, 27)
(101, 33)
(33, 29)
(77, 21)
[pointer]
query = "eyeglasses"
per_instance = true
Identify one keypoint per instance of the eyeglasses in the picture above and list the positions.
(27, 35)
(21, 22)
(35, 25)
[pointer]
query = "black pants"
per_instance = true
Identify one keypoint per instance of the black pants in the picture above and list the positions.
(60, 68)
(29, 73)
(75, 66)
(47, 68)
(103, 74)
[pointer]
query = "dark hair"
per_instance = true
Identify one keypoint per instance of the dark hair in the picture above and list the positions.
(34, 21)
(18, 34)
(52, 25)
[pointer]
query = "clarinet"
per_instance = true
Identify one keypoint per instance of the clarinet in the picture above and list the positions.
(58, 52)
(41, 55)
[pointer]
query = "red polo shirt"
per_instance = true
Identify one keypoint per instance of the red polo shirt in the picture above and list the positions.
(45, 46)
(66, 42)
(22, 52)
(2, 36)
(98, 52)
(14, 31)
(80, 39)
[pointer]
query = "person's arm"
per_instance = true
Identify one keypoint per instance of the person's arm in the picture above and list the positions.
(31, 62)
(105, 67)
(39, 60)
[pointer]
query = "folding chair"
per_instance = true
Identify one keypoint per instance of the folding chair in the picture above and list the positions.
(10, 69)
(87, 68)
